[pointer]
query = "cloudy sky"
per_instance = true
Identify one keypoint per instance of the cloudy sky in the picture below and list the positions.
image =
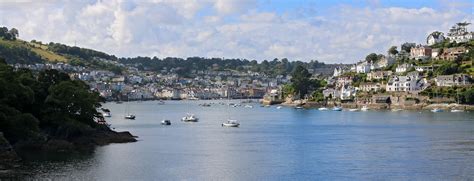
(330, 31)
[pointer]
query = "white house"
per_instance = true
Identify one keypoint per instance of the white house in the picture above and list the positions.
(404, 84)
(363, 67)
(435, 37)
(458, 33)
(403, 67)
(347, 92)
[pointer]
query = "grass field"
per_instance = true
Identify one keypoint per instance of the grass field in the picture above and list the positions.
(41, 50)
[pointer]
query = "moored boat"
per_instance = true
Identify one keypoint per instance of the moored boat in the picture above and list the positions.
(353, 110)
(337, 108)
(457, 110)
(364, 108)
(190, 118)
(436, 110)
(130, 116)
(231, 123)
(166, 122)
(323, 109)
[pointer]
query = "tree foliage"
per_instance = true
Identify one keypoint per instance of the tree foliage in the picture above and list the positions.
(49, 102)
(300, 81)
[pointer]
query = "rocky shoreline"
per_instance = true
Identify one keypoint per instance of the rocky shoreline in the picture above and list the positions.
(384, 106)
(10, 160)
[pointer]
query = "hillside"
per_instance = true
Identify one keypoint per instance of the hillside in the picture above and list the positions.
(19, 51)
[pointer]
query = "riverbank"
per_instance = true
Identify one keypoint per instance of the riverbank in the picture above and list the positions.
(384, 106)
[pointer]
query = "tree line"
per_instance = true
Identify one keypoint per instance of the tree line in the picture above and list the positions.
(188, 65)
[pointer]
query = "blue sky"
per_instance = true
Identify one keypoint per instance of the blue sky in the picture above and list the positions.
(330, 31)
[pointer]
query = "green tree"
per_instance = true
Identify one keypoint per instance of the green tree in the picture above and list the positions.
(300, 81)
(371, 57)
(393, 50)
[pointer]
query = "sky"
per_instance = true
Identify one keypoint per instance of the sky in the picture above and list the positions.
(342, 31)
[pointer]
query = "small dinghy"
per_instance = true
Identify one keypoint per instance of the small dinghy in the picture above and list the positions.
(457, 110)
(436, 110)
(190, 118)
(353, 110)
(364, 108)
(337, 109)
(323, 109)
(166, 122)
(130, 116)
(231, 123)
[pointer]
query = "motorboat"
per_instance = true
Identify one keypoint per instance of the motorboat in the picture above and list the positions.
(364, 108)
(130, 116)
(161, 102)
(436, 110)
(353, 110)
(323, 109)
(298, 107)
(231, 123)
(190, 118)
(106, 114)
(396, 110)
(248, 106)
(278, 107)
(166, 122)
(457, 110)
(337, 109)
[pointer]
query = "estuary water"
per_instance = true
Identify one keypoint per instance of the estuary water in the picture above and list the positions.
(274, 144)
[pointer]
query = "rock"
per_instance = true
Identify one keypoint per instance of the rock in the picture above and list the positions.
(8, 156)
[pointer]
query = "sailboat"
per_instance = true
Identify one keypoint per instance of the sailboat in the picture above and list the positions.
(457, 110)
(436, 109)
(229, 122)
(364, 108)
(127, 113)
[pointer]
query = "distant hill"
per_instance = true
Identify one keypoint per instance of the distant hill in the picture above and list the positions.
(14, 50)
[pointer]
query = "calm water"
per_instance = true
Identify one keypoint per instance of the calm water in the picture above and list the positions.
(276, 144)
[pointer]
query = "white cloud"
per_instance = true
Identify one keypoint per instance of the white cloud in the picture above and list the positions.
(224, 28)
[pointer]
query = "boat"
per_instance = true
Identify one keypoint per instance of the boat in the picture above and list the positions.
(278, 107)
(353, 110)
(231, 123)
(364, 108)
(337, 108)
(106, 114)
(127, 113)
(267, 106)
(130, 116)
(298, 107)
(396, 110)
(457, 110)
(190, 118)
(248, 106)
(436, 110)
(166, 122)
(323, 109)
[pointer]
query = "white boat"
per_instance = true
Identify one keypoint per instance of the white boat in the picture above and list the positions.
(337, 109)
(190, 118)
(248, 106)
(353, 110)
(231, 123)
(166, 122)
(436, 110)
(396, 110)
(106, 114)
(267, 106)
(130, 116)
(364, 108)
(278, 107)
(457, 110)
(298, 107)
(323, 109)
